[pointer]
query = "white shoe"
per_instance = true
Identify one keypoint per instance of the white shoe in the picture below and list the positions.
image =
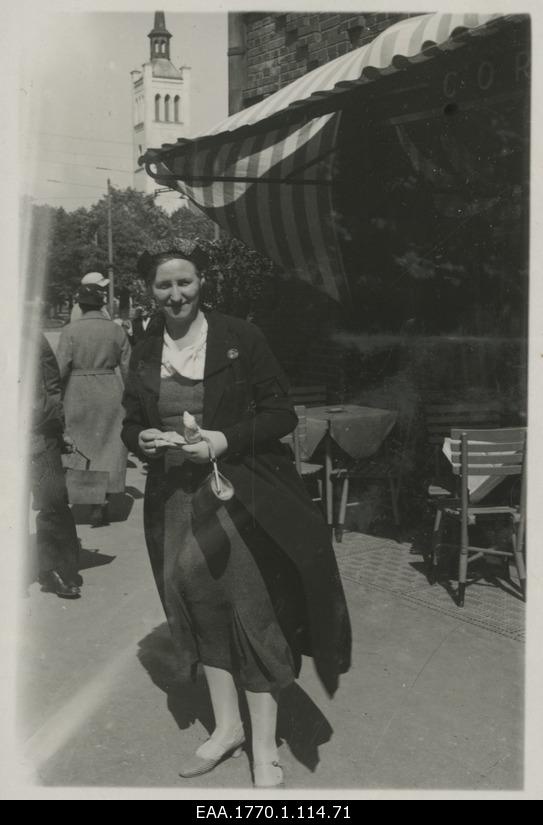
(200, 764)
(268, 775)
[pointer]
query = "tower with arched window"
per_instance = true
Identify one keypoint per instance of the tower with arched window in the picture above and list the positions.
(160, 106)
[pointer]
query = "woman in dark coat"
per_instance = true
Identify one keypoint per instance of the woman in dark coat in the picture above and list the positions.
(250, 586)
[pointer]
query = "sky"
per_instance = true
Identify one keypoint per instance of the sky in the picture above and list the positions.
(76, 95)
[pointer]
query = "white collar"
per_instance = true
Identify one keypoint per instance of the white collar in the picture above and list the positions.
(188, 361)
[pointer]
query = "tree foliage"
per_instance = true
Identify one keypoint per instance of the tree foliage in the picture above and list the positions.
(136, 221)
(239, 281)
(63, 246)
(190, 223)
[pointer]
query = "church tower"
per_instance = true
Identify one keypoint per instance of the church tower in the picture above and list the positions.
(160, 107)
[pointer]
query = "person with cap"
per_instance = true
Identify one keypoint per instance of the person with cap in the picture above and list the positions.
(89, 352)
(250, 584)
(98, 280)
(56, 536)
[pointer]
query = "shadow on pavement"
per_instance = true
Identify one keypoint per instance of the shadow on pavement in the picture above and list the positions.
(483, 572)
(483, 579)
(421, 567)
(188, 702)
(301, 725)
(93, 558)
(134, 492)
(87, 559)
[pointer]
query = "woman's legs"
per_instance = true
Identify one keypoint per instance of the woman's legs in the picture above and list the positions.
(228, 724)
(263, 713)
(228, 734)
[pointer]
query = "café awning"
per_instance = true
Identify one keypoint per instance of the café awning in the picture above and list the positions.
(266, 174)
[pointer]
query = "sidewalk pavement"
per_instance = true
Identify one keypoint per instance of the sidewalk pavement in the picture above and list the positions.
(434, 699)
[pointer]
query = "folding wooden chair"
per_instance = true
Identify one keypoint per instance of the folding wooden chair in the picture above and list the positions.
(497, 454)
(442, 415)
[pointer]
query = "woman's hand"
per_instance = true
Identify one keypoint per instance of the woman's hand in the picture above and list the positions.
(146, 443)
(199, 452)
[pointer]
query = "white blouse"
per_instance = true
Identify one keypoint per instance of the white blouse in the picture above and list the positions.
(188, 361)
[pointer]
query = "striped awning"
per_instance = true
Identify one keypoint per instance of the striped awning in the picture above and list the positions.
(266, 174)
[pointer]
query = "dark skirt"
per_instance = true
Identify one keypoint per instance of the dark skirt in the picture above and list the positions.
(230, 594)
(241, 604)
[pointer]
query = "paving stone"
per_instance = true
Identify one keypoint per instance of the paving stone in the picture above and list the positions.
(384, 564)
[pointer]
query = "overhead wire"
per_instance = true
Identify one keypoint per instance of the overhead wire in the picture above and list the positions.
(74, 183)
(86, 166)
(87, 154)
(62, 197)
(89, 139)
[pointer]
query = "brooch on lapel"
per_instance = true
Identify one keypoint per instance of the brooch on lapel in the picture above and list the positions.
(232, 354)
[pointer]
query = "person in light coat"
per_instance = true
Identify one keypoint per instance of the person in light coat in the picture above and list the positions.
(89, 352)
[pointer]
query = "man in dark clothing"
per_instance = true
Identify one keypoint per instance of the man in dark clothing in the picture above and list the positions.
(140, 323)
(56, 536)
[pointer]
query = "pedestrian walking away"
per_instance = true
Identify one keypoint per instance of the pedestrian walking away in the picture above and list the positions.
(97, 279)
(249, 584)
(89, 352)
(56, 535)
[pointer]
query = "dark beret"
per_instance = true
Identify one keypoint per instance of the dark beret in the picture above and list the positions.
(176, 248)
(90, 295)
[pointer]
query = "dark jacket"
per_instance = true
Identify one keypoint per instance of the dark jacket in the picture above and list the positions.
(246, 397)
(47, 412)
(138, 330)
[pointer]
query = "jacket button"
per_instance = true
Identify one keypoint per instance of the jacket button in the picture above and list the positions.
(232, 353)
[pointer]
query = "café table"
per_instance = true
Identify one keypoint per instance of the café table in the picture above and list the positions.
(358, 431)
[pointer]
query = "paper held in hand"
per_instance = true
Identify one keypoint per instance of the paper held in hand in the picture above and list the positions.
(172, 439)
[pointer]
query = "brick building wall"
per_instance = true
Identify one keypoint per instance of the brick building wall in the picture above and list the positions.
(279, 48)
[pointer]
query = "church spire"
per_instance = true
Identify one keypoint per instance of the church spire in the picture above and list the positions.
(160, 38)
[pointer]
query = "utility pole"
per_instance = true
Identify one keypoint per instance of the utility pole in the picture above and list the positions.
(111, 291)
(111, 288)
